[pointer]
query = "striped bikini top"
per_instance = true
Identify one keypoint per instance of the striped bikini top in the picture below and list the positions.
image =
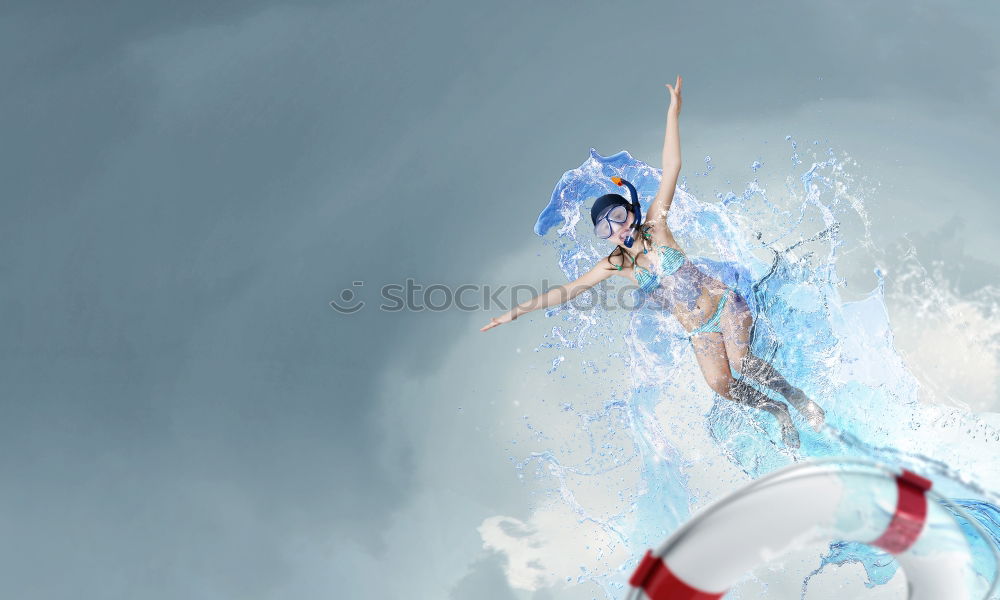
(670, 261)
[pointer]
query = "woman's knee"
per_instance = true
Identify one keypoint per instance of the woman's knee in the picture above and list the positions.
(737, 367)
(722, 385)
(751, 365)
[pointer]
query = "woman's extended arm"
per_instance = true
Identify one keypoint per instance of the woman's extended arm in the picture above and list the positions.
(671, 158)
(557, 295)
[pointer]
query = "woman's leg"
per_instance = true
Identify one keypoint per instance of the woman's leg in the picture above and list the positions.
(769, 376)
(736, 326)
(710, 350)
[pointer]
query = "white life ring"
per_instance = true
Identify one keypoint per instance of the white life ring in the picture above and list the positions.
(817, 501)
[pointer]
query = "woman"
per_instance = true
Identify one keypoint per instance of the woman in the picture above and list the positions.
(717, 318)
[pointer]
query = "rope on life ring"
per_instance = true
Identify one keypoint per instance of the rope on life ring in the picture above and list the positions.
(815, 501)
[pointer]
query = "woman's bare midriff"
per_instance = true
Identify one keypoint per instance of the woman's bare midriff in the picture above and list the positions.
(705, 306)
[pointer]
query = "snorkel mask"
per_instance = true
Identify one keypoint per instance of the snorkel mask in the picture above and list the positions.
(612, 209)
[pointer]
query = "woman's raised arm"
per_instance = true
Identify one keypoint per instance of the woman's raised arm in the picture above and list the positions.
(671, 157)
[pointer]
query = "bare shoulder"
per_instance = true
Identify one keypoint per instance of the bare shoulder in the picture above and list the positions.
(606, 268)
(598, 273)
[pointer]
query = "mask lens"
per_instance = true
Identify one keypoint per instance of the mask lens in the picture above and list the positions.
(618, 214)
(603, 229)
(615, 215)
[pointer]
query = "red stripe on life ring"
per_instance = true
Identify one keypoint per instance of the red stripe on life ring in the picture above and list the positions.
(655, 578)
(911, 513)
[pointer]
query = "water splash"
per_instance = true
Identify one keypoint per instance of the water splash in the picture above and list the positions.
(690, 447)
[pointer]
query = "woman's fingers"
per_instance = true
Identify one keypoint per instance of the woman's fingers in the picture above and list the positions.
(675, 89)
(675, 93)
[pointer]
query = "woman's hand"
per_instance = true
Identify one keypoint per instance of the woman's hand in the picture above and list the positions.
(675, 95)
(504, 318)
(671, 154)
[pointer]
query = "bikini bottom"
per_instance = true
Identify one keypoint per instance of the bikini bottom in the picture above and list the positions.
(712, 324)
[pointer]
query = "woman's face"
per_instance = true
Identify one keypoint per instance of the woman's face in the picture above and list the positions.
(614, 225)
(623, 230)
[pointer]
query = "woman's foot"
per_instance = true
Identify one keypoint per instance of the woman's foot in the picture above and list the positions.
(789, 434)
(812, 412)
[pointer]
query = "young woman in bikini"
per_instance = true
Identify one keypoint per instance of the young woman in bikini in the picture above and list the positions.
(716, 317)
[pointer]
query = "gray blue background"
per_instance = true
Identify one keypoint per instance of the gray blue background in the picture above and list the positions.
(186, 185)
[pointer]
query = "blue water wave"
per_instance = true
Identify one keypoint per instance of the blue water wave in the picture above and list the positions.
(841, 353)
